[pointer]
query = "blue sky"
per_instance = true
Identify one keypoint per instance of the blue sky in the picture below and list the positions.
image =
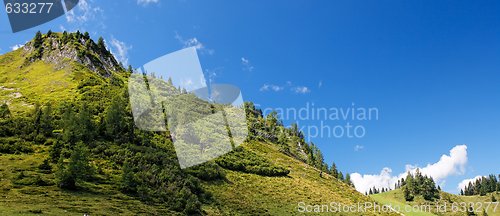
(431, 68)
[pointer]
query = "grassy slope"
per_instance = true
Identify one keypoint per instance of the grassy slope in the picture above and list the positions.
(395, 198)
(253, 194)
(21, 86)
(19, 197)
(240, 194)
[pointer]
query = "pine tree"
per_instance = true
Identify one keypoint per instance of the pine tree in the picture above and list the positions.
(37, 42)
(86, 127)
(4, 111)
(128, 181)
(333, 170)
(36, 117)
(470, 211)
(114, 118)
(64, 37)
(46, 125)
(78, 169)
(348, 179)
(69, 124)
(340, 176)
(407, 194)
(100, 45)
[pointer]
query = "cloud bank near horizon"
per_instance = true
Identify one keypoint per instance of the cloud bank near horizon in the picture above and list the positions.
(452, 164)
(465, 182)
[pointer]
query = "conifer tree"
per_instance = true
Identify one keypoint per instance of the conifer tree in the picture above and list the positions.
(100, 44)
(78, 168)
(340, 176)
(114, 118)
(4, 111)
(37, 42)
(46, 121)
(333, 170)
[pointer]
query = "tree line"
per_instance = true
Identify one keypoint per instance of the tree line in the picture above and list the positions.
(482, 186)
(419, 185)
(290, 140)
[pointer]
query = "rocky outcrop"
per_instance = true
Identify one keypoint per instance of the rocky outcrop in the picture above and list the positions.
(60, 49)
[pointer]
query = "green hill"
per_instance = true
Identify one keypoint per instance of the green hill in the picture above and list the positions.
(68, 146)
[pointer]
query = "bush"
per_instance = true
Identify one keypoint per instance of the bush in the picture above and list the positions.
(45, 167)
(49, 142)
(249, 162)
(55, 151)
(36, 180)
(40, 139)
(208, 171)
(154, 176)
(13, 145)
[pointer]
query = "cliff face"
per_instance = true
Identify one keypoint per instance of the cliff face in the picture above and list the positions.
(59, 49)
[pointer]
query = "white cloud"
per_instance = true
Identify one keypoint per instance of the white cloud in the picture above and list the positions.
(301, 90)
(147, 2)
(247, 66)
(120, 50)
(17, 46)
(320, 84)
(271, 87)
(465, 182)
(358, 148)
(193, 42)
(447, 165)
(83, 12)
(452, 164)
(288, 85)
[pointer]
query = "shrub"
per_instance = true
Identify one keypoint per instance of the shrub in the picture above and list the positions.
(13, 145)
(55, 151)
(154, 176)
(208, 171)
(40, 139)
(45, 166)
(49, 142)
(249, 162)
